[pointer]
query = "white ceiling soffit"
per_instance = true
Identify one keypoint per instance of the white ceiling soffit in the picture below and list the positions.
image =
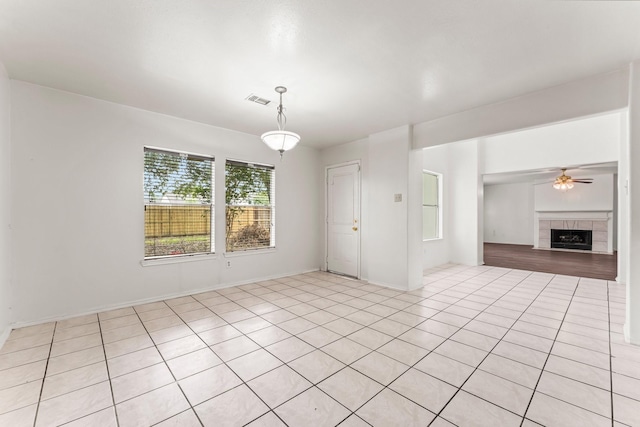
(352, 68)
(549, 174)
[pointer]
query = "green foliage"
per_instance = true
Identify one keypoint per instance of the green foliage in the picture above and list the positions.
(158, 170)
(168, 173)
(198, 182)
(245, 186)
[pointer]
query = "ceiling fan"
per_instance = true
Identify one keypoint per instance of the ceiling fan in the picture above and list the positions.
(565, 182)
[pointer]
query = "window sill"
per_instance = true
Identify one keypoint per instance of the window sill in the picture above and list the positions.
(177, 259)
(432, 240)
(249, 252)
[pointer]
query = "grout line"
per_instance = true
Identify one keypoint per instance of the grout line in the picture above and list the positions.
(223, 363)
(470, 289)
(521, 281)
(168, 369)
(610, 359)
(20, 364)
(44, 376)
(104, 351)
(549, 355)
(384, 387)
(319, 349)
(148, 334)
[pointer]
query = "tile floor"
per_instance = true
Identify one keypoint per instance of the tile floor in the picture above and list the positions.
(476, 346)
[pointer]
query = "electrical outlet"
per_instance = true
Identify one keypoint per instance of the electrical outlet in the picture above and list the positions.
(228, 264)
(397, 197)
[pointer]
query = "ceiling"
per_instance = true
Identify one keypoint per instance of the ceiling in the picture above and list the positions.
(548, 175)
(353, 67)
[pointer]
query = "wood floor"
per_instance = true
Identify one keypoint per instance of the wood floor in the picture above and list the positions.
(524, 257)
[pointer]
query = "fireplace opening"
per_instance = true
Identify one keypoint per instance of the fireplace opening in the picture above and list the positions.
(571, 239)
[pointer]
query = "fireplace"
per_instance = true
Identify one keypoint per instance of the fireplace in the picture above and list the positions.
(600, 223)
(571, 239)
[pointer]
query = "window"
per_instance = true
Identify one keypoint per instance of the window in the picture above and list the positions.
(250, 206)
(178, 208)
(431, 202)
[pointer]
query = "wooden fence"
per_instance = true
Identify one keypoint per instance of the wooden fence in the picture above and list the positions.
(195, 220)
(176, 221)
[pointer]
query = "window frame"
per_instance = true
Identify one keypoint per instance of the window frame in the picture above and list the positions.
(271, 205)
(182, 257)
(438, 205)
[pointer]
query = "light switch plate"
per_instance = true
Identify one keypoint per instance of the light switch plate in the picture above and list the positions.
(397, 197)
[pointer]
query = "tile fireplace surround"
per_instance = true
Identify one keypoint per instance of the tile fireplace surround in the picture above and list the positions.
(600, 222)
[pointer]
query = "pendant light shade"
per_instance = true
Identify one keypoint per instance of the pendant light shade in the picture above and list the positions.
(280, 140)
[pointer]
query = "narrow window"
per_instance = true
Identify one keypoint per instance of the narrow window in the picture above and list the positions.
(178, 208)
(431, 202)
(250, 210)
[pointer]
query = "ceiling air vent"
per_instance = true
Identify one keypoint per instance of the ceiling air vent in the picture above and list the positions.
(257, 99)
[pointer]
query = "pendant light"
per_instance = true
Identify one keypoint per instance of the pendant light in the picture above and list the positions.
(280, 140)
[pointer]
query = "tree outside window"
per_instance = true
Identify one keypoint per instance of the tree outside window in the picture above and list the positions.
(178, 194)
(250, 206)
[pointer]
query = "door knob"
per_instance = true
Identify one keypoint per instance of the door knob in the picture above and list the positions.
(354, 228)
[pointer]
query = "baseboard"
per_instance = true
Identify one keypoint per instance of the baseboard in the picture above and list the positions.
(366, 280)
(387, 285)
(100, 309)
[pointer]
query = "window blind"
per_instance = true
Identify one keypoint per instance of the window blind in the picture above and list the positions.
(250, 205)
(178, 208)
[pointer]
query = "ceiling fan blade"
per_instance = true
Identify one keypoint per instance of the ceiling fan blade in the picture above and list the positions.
(582, 181)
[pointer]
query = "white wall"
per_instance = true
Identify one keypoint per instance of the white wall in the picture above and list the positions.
(623, 202)
(458, 163)
(509, 213)
(388, 156)
(390, 247)
(632, 325)
(414, 218)
(78, 205)
(436, 252)
(593, 95)
(597, 196)
(6, 315)
(588, 140)
(464, 204)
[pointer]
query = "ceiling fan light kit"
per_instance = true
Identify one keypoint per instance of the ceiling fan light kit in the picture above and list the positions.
(280, 140)
(567, 185)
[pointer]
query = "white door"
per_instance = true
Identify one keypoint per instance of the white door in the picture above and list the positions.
(343, 220)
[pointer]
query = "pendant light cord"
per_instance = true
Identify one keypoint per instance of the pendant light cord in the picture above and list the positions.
(281, 115)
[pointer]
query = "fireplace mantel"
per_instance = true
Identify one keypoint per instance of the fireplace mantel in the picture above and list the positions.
(569, 215)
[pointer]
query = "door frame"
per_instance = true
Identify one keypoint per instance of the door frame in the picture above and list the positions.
(326, 212)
